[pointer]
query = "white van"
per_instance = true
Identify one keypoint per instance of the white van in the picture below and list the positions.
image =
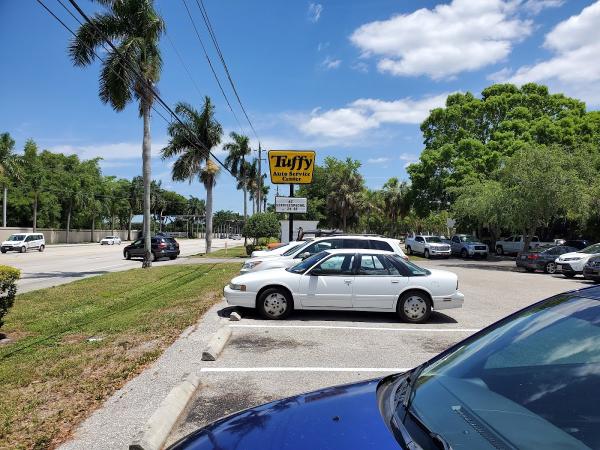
(21, 242)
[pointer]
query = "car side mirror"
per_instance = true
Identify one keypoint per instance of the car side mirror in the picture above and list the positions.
(316, 272)
(304, 255)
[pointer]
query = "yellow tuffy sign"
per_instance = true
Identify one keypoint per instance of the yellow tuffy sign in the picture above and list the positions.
(291, 166)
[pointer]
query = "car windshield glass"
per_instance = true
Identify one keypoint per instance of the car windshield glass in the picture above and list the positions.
(307, 263)
(16, 237)
(524, 384)
(412, 269)
(468, 238)
(592, 249)
(433, 239)
(292, 250)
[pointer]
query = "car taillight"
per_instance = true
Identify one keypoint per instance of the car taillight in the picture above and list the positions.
(533, 256)
(162, 245)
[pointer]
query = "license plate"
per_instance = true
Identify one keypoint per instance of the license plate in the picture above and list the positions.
(523, 256)
(559, 268)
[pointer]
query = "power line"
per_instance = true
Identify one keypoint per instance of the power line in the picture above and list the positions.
(147, 85)
(210, 64)
(213, 36)
(184, 64)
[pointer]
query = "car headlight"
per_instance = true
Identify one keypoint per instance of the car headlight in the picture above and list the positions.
(574, 258)
(251, 264)
(237, 287)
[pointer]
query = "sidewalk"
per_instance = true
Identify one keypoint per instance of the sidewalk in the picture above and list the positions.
(119, 421)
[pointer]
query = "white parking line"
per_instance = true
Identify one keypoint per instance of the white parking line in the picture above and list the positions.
(340, 327)
(302, 369)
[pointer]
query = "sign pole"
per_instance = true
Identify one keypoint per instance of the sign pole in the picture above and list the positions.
(291, 217)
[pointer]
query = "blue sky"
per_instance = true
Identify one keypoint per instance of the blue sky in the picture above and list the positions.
(343, 77)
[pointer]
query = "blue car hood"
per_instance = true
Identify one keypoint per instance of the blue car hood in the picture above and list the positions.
(335, 418)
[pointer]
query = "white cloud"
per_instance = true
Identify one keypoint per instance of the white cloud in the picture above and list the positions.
(441, 42)
(366, 114)
(112, 151)
(536, 6)
(331, 63)
(314, 12)
(573, 68)
(381, 160)
(322, 46)
(360, 66)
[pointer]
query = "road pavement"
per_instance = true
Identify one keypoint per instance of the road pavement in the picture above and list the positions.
(65, 263)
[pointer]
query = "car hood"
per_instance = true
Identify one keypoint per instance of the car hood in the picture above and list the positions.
(575, 255)
(473, 243)
(339, 417)
(261, 275)
(12, 243)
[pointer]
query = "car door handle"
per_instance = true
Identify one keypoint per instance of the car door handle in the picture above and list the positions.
(348, 282)
(395, 281)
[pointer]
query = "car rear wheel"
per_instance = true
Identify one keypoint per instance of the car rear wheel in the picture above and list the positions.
(23, 249)
(409, 250)
(550, 267)
(464, 254)
(414, 307)
(275, 303)
(3, 251)
(172, 257)
(127, 255)
(42, 247)
(426, 254)
(499, 250)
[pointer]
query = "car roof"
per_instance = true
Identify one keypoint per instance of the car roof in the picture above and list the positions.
(351, 236)
(359, 250)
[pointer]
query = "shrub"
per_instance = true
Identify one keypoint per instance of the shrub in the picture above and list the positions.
(8, 289)
(262, 225)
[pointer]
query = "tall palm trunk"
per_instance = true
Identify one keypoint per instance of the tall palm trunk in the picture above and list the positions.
(93, 227)
(209, 218)
(4, 201)
(35, 208)
(129, 226)
(245, 203)
(147, 175)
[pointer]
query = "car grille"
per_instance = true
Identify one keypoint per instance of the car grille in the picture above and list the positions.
(443, 248)
(480, 247)
(595, 263)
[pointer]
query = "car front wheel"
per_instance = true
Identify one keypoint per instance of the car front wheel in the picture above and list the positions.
(426, 254)
(499, 251)
(42, 248)
(275, 303)
(550, 267)
(127, 255)
(464, 254)
(409, 250)
(23, 249)
(414, 307)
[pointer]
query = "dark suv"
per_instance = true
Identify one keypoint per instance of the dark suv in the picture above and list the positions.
(162, 247)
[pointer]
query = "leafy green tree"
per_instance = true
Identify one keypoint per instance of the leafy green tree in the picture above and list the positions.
(135, 193)
(135, 28)
(396, 198)
(262, 225)
(33, 177)
(10, 168)
(235, 161)
(194, 161)
(467, 139)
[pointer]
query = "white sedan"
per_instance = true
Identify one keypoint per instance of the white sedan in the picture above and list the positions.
(278, 251)
(571, 264)
(345, 279)
(111, 240)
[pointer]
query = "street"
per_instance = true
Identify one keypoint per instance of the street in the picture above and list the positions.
(60, 264)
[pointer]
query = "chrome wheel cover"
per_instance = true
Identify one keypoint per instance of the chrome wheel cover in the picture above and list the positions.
(275, 304)
(551, 267)
(415, 307)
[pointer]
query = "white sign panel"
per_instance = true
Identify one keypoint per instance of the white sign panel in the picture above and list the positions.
(290, 205)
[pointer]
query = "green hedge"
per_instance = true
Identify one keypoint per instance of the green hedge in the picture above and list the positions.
(8, 289)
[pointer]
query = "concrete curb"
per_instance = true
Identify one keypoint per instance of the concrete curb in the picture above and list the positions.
(235, 316)
(159, 426)
(216, 344)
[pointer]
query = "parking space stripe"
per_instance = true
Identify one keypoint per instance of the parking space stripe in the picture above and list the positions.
(302, 369)
(340, 327)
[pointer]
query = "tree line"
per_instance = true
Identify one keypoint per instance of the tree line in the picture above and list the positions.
(515, 159)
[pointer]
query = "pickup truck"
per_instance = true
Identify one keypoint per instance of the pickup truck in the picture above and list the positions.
(514, 244)
(428, 246)
(467, 245)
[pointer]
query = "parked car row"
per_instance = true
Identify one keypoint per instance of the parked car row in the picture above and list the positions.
(563, 259)
(463, 245)
(343, 272)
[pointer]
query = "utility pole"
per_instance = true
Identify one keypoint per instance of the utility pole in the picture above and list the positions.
(259, 176)
(291, 218)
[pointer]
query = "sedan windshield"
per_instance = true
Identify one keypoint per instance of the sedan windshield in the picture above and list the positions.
(433, 239)
(468, 238)
(592, 249)
(16, 237)
(292, 250)
(524, 384)
(307, 263)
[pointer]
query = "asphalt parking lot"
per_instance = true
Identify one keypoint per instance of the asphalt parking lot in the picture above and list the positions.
(265, 360)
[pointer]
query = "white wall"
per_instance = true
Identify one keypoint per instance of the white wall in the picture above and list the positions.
(58, 236)
(305, 224)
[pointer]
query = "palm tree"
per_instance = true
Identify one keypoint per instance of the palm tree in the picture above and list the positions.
(395, 197)
(134, 195)
(264, 195)
(236, 162)
(195, 207)
(192, 143)
(344, 187)
(135, 28)
(10, 167)
(252, 183)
